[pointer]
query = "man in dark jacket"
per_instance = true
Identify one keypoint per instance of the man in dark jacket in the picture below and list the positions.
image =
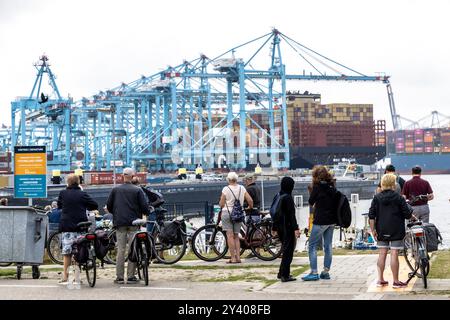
(127, 203)
(387, 215)
(73, 203)
(287, 228)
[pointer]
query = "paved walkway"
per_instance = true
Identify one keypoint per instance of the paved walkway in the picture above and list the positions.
(357, 276)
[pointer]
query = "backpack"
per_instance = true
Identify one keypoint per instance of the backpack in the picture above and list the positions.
(170, 231)
(343, 211)
(101, 244)
(155, 198)
(237, 213)
(275, 209)
(80, 250)
(432, 235)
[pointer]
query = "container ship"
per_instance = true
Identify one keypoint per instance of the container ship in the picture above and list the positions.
(429, 148)
(327, 133)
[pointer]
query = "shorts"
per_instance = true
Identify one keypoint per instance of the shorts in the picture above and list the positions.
(227, 225)
(68, 238)
(396, 244)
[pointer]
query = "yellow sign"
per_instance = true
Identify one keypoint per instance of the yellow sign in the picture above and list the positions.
(199, 170)
(30, 163)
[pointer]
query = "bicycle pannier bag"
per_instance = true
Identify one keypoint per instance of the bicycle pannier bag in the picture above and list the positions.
(432, 235)
(344, 212)
(237, 213)
(101, 244)
(180, 234)
(169, 232)
(80, 250)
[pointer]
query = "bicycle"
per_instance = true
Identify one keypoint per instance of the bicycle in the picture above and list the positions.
(141, 249)
(209, 242)
(86, 260)
(415, 252)
(165, 251)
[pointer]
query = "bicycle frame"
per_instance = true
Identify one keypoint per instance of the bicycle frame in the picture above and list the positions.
(415, 234)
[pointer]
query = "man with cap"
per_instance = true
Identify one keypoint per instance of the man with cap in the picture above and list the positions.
(255, 192)
(126, 202)
(417, 186)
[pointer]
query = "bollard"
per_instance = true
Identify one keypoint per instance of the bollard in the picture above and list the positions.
(298, 200)
(354, 197)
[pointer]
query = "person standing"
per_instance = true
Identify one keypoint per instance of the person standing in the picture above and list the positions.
(286, 228)
(127, 203)
(387, 215)
(323, 198)
(400, 182)
(255, 193)
(417, 186)
(73, 203)
(230, 194)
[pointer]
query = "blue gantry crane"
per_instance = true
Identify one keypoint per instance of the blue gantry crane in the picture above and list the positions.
(229, 109)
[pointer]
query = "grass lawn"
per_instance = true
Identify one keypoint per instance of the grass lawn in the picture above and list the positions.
(440, 265)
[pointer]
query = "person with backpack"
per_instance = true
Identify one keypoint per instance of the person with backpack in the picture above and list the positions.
(387, 215)
(127, 203)
(285, 225)
(231, 202)
(324, 199)
(400, 182)
(73, 203)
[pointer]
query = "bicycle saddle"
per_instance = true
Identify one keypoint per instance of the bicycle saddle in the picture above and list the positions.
(415, 223)
(84, 224)
(139, 222)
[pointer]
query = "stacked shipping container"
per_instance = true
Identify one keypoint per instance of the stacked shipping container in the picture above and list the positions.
(427, 141)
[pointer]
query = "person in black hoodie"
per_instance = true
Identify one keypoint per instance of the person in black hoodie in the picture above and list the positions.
(387, 215)
(323, 198)
(73, 203)
(287, 228)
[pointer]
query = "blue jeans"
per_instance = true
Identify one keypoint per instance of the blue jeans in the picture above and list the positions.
(317, 232)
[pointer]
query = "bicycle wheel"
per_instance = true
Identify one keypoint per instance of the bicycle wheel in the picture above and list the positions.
(209, 243)
(424, 269)
(264, 245)
(91, 267)
(5, 264)
(168, 253)
(111, 255)
(54, 246)
(143, 261)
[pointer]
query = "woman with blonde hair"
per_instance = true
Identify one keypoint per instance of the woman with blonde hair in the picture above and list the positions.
(387, 215)
(230, 194)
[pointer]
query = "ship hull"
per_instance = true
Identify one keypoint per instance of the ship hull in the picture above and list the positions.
(430, 163)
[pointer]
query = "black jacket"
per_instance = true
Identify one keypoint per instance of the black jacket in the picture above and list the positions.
(323, 196)
(288, 222)
(255, 193)
(127, 203)
(389, 210)
(74, 204)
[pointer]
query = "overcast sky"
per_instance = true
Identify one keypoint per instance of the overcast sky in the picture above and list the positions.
(95, 45)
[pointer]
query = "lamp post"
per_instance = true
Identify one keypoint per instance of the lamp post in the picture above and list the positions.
(112, 111)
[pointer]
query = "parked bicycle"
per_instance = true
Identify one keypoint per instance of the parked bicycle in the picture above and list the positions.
(83, 253)
(141, 250)
(209, 243)
(415, 247)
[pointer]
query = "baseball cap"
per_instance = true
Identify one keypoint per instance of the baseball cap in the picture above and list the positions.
(128, 171)
(249, 176)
